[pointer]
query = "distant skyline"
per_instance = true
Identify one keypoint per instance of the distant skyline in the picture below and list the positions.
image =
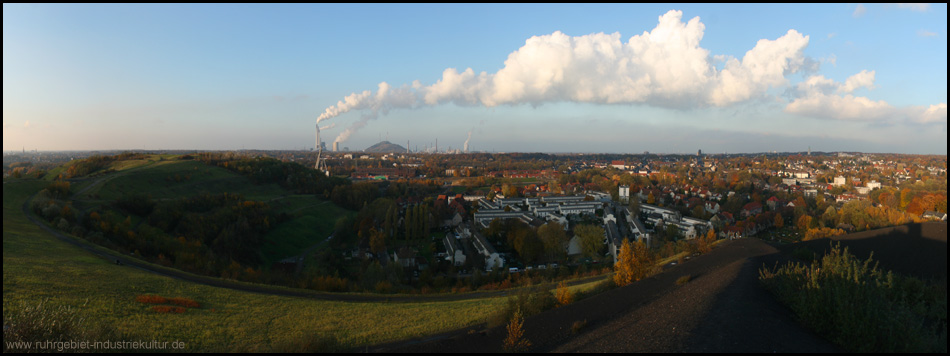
(615, 78)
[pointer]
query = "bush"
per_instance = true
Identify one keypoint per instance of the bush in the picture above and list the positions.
(515, 342)
(577, 326)
(563, 295)
(860, 307)
(528, 302)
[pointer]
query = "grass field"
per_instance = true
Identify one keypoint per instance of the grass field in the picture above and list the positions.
(163, 177)
(38, 267)
(313, 222)
(177, 179)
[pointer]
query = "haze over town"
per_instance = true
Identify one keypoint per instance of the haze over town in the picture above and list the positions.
(533, 78)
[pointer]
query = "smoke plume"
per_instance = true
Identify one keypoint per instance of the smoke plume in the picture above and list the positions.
(465, 147)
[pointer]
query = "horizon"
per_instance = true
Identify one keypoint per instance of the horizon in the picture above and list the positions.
(11, 152)
(604, 78)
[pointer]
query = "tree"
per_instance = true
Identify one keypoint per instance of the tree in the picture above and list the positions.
(514, 341)
(377, 241)
(635, 206)
(651, 199)
(830, 217)
(554, 239)
(633, 263)
(671, 231)
(704, 243)
(779, 221)
(591, 239)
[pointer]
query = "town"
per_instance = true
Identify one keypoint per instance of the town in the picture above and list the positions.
(446, 219)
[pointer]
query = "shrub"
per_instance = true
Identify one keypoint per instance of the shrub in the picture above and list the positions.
(528, 302)
(860, 307)
(577, 326)
(563, 295)
(515, 342)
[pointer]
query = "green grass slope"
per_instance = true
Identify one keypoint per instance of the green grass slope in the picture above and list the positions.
(39, 267)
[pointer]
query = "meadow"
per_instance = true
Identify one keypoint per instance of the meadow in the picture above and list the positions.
(39, 268)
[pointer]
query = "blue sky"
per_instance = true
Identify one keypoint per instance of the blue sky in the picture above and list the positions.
(557, 78)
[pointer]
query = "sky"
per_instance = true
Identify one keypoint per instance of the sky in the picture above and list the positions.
(615, 78)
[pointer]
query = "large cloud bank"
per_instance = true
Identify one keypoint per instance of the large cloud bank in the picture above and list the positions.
(665, 67)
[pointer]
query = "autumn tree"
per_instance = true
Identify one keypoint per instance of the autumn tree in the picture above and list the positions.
(515, 341)
(779, 221)
(704, 243)
(633, 263)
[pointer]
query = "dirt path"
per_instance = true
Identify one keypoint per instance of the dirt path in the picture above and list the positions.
(721, 309)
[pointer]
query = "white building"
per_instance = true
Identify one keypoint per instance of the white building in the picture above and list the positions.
(624, 193)
(839, 181)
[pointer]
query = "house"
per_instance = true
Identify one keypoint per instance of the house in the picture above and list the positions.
(405, 256)
(454, 221)
(492, 258)
(454, 250)
(751, 209)
(574, 246)
(712, 207)
(933, 215)
(773, 203)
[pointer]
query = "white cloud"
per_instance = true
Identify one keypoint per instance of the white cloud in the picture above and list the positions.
(862, 79)
(664, 67)
(859, 11)
(925, 33)
(933, 114)
(914, 6)
(821, 97)
(838, 107)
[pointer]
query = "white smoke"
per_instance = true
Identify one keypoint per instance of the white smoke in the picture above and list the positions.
(330, 126)
(465, 147)
(665, 67)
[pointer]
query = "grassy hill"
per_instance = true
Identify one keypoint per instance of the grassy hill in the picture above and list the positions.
(165, 178)
(39, 268)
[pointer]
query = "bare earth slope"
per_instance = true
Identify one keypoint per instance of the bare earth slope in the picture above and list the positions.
(721, 309)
